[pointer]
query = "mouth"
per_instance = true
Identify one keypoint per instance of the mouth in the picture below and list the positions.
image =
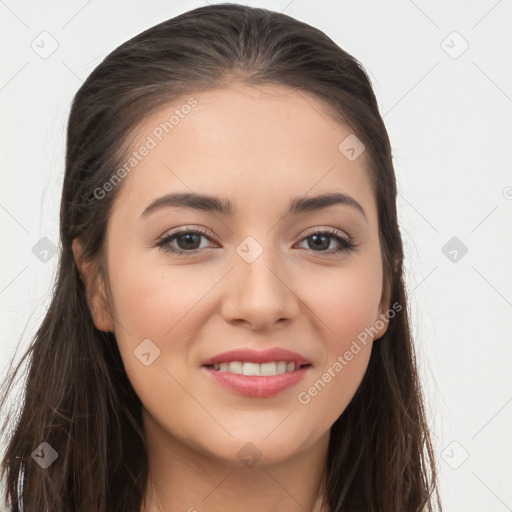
(257, 374)
(257, 370)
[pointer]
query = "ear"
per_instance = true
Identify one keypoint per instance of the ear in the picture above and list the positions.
(382, 320)
(95, 290)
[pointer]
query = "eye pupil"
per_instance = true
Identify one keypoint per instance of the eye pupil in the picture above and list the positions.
(189, 237)
(323, 245)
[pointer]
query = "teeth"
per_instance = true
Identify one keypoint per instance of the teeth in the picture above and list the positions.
(235, 367)
(251, 369)
(268, 368)
(281, 367)
(265, 369)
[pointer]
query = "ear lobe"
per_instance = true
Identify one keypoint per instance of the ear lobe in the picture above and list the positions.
(95, 290)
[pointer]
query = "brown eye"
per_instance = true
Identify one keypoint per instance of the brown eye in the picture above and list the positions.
(320, 241)
(187, 240)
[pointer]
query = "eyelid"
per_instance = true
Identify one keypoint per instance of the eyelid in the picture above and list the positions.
(329, 230)
(186, 229)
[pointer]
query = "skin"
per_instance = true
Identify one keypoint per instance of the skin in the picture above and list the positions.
(260, 148)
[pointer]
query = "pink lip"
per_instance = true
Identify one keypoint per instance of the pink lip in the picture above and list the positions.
(257, 356)
(257, 386)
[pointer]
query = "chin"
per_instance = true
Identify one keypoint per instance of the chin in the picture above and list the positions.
(253, 446)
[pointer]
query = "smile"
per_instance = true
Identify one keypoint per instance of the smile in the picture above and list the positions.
(256, 373)
(255, 369)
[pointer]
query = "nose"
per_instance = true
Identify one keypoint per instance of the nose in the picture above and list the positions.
(259, 294)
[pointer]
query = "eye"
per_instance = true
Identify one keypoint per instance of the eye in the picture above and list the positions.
(187, 240)
(321, 241)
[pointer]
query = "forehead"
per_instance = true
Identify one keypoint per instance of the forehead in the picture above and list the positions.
(252, 144)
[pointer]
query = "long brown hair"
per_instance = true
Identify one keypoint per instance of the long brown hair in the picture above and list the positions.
(77, 396)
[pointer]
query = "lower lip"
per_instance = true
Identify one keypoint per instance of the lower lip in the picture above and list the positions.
(257, 386)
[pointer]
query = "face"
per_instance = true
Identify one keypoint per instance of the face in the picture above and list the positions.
(239, 317)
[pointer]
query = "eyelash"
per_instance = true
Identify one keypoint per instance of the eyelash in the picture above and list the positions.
(346, 244)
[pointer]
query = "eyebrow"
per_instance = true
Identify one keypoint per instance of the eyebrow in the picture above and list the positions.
(224, 206)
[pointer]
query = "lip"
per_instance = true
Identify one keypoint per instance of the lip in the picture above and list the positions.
(257, 386)
(257, 356)
(252, 385)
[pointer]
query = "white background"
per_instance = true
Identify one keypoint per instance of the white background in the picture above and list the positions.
(448, 115)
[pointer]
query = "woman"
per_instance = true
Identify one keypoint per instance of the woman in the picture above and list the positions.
(229, 324)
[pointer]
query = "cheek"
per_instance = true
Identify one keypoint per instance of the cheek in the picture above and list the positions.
(332, 387)
(158, 301)
(349, 315)
(347, 302)
(347, 306)
(347, 344)
(167, 305)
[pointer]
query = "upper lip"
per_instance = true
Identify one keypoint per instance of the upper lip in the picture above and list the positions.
(257, 356)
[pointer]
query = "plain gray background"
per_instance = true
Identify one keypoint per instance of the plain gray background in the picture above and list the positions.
(441, 72)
